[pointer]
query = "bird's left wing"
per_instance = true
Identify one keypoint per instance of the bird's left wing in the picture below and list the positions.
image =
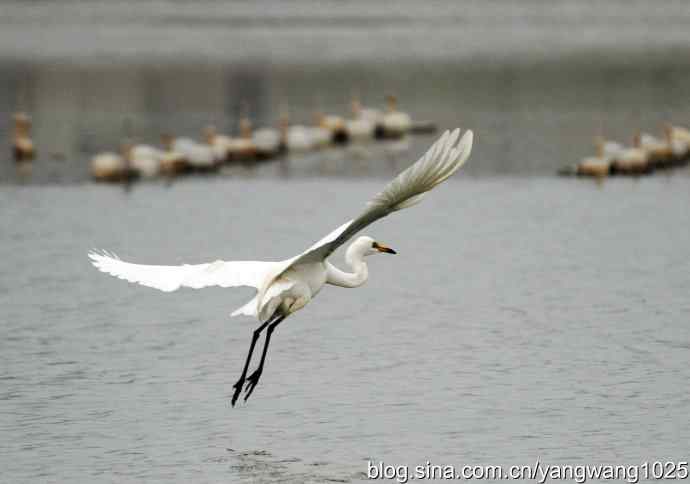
(170, 278)
(407, 189)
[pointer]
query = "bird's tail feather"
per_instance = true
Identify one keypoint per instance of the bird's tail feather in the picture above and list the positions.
(248, 309)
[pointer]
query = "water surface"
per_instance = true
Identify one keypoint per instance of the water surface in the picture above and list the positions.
(523, 318)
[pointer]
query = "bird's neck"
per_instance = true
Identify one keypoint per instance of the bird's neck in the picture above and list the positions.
(354, 257)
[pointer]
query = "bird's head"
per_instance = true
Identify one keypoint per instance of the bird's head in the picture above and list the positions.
(371, 247)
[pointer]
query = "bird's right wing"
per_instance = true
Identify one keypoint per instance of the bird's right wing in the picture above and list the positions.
(170, 278)
(407, 189)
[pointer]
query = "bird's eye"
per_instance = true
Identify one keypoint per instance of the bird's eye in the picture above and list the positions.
(374, 245)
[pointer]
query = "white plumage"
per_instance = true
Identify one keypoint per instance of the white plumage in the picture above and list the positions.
(146, 160)
(266, 141)
(198, 155)
(301, 138)
(170, 278)
(286, 286)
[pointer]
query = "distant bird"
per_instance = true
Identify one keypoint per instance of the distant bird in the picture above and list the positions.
(371, 114)
(597, 166)
(630, 160)
(300, 139)
(659, 151)
(199, 156)
(678, 138)
(267, 143)
(285, 287)
(220, 143)
(270, 142)
(321, 136)
(295, 138)
(394, 123)
(359, 128)
(172, 162)
(22, 145)
(113, 167)
(335, 125)
(242, 148)
(107, 166)
(606, 147)
(145, 160)
(677, 133)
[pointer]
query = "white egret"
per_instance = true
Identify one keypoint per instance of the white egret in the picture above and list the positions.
(287, 286)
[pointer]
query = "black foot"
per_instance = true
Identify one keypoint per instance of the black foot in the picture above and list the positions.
(238, 389)
(252, 381)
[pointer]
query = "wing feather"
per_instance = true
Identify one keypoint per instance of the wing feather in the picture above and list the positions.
(440, 161)
(170, 278)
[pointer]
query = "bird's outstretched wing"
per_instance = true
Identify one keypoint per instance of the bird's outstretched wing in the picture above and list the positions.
(407, 189)
(170, 278)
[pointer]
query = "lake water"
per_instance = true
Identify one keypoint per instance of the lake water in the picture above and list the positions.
(333, 32)
(524, 318)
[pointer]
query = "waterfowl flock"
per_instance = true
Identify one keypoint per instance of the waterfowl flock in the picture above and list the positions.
(174, 155)
(183, 155)
(647, 155)
(214, 150)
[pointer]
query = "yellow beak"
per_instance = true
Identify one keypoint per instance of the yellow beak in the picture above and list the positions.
(383, 248)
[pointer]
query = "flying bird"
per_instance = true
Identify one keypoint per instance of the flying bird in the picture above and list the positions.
(284, 287)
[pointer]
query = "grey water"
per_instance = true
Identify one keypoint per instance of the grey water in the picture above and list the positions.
(332, 32)
(524, 318)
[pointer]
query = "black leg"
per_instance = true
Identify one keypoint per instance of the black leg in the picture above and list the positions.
(240, 383)
(253, 379)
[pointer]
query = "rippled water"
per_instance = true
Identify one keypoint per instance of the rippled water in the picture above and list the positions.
(522, 319)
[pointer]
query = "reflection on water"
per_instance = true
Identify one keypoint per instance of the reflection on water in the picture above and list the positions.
(530, 117)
